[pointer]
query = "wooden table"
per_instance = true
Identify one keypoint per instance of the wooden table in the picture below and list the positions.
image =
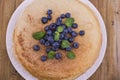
(110, 67)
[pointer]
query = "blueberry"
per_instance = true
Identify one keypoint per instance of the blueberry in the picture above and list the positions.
(61, 36)
(49, 12)
(74, 34)
(62, 16)
(43, 58)
(68, 49)
(42, 41)
(63, 25)
(49, 17)
(59, 41)
(47, 43)
(49, 32)
(75, 25)
(69, 29)
(71, 39)
(58, 21)
(66, 37)
(54, 48)
(56, 44)
(46, 28)
(44, 20)
(82, 33)
(67, 15)
(58, 55)
(48, 50)
(50, 39)
(75, 45)
(46, 36)
(53, 26)
(65, 31)
(36, 47)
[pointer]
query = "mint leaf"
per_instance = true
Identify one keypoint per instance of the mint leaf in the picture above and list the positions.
(65, 44)
(69, 21)
(70, 55)
(56, 36)
(51, 55)
(38, 35)
(60, 29)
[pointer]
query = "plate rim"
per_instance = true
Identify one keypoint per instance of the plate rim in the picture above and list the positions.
(23, 72)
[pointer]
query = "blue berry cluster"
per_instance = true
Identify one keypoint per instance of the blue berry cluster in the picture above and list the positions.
(44, 20)
(59, 35)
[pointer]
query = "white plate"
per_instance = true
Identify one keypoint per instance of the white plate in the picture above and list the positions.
(22, 71)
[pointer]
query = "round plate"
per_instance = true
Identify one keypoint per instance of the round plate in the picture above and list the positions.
(16, 63)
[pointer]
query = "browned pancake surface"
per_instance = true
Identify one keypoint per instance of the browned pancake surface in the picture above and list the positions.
(64, 69)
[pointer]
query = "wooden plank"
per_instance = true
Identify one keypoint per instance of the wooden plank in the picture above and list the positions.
(7, 72)
(108, 69)
(116, 6)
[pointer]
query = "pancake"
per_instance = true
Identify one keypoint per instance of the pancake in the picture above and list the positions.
(29, 22)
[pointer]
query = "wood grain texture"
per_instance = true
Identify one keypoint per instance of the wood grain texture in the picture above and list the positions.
(110, 67)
